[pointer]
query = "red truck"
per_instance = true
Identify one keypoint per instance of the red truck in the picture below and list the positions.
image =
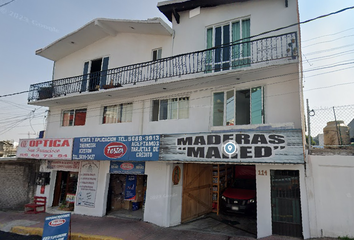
(240, 196)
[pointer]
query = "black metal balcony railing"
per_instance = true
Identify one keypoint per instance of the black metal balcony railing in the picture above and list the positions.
(223, 58)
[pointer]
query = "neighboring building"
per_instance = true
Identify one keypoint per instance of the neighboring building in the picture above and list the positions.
(351, 130)
(7, 149)
(138, 94)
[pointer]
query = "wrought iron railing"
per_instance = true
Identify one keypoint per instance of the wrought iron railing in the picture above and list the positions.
(223, 58)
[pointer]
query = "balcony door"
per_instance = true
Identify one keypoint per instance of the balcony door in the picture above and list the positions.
(97, 76)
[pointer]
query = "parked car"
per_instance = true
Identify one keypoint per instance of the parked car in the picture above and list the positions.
(240, 196)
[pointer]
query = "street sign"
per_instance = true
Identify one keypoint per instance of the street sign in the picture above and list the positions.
(56, 227)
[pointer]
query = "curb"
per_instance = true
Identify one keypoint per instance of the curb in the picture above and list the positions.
(74, 236)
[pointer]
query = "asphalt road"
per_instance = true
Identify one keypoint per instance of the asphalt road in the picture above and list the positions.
(12, 236)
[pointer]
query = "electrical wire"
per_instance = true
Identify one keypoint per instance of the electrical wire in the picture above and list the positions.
(257, 35)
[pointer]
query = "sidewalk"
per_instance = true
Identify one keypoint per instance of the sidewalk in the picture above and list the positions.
(110, 228)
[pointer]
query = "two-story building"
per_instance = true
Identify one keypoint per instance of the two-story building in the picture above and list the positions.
(186, 107)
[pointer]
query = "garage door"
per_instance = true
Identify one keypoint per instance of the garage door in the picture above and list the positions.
(197, 183)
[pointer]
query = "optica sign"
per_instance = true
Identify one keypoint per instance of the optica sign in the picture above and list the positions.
(50, 149)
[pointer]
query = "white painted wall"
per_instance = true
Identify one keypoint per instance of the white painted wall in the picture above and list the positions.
(265, 15)
(101, 191)
(176, 199)
(330, 189)
(123, 49)
(264, 210)
(158, 192)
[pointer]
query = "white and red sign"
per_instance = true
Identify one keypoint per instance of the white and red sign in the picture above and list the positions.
(115, 150)
(45, 148)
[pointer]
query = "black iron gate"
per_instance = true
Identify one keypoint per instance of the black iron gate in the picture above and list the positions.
(286, 210)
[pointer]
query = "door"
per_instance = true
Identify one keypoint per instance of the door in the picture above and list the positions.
(286, 208)
(197, 183)
(66, 182)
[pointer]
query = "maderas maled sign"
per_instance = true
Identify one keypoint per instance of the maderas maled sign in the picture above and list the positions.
(282, 146)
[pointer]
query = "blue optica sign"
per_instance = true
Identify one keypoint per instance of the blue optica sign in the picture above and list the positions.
(127, 167)
(117, 148)
(56, 227)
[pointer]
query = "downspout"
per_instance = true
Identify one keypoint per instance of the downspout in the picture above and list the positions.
(142, 119)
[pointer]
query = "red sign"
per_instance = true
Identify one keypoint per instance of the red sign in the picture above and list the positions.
(50, 148)
(57, 222)
(127, 166)
(115, 150)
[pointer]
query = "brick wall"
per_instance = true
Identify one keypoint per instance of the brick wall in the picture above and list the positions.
(17, 183)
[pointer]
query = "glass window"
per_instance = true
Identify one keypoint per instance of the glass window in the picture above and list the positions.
(238, 107)
(156, 54)
(118, 113)
(173, 108)
(75, 117)
(218, 106)
(228, 56)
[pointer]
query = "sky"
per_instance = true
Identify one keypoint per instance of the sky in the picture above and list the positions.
(28, 25)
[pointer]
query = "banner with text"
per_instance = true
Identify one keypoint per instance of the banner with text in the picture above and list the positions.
(55, 148)
(120, 148)
(276, 146)
(87, 184)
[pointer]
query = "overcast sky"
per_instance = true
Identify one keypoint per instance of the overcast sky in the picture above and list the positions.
(27, 25)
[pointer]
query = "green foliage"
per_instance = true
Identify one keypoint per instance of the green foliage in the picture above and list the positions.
(312, 141)
(346, 238)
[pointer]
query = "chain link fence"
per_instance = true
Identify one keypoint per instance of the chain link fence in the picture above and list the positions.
(331, 127)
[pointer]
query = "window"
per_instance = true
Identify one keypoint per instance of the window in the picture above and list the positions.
(118, 113)
(75, 117)
(173, 108)
(226, 56)
(156, 54)
(238, 107)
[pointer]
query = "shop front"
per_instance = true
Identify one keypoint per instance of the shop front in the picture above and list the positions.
(124, 158)
(240, 174)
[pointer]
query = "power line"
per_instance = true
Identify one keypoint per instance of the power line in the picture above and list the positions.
(6, 3)
(257, 35)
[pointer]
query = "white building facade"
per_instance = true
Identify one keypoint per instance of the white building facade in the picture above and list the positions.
(173, 97)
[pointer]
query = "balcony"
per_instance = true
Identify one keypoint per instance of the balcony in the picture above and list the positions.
(231, 57)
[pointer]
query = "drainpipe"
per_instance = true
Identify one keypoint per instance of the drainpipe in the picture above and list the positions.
(142, 118)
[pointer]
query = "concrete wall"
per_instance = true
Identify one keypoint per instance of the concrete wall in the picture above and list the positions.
(159, 193)
(17, 178)
(265, 15)
(330, 190)
(123, 49)
(264, 210)
(281, 103)
(101, 191)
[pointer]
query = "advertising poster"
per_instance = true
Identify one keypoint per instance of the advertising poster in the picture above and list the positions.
(130, 187)
(117, 148)
(87, 184)
(56, 227)
(127, 167)
(50, 148)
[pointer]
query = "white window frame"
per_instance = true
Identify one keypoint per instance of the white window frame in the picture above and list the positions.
(169, 106)
(213, 27)
(234, 89)
(158, 52)
(74, 117)
(120, 111)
